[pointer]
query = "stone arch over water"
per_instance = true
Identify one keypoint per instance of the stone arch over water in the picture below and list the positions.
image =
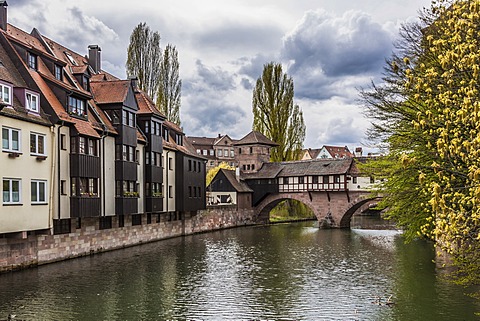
(332, 209)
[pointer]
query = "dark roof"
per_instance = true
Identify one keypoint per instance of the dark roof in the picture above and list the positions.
(268, 170)
(202, 141)
(240, 187)
(303, 168)
(255, 137)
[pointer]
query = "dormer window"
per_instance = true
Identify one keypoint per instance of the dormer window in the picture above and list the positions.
(71, 59)
(179, 139)
(85, 83)
(32, 102)
(58, 72)
(32, 60)
(76, 106)
(6, 94)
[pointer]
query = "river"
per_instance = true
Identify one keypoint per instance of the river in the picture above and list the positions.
(279, 272)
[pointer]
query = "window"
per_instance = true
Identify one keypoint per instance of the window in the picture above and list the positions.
(63, 187)
(232, 153)
(86, 186)
(354, 179)
(315, 179)
(179, 139)
(92, 147)
(199, 152)
(165, 133)
(194, 166)
(11, 139)
(239, 150)
(81, 145)
(128, 118)
(219, 152)
(32, 60)
(38, 192)
(170, 191)
(337, 178)
(63, 142)
(204, 152)
(76, 106)
(170, 165)
(326, 179)
(58, 72)
(189, 165)
(225, 152)
(251, 150)
(6, 94)
(212, 152)
(11, 191)
(72, 60)
(301, 180)
(85, 82)
(37, 144)
(285, 180)
(32, 102)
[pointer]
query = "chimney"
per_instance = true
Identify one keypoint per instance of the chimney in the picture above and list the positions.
(237, 173)
(134, 82)
(358, 152)
(3, 14)
(94, 58)
(219, 136)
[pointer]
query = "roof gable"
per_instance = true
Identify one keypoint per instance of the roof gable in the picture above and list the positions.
(255, 138)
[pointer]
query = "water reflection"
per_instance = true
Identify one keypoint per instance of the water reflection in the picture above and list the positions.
(282, 272)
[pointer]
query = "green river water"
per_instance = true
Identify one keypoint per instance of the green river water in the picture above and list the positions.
(278, 272)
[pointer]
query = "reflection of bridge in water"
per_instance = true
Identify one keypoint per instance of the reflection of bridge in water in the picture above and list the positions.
(333, 189)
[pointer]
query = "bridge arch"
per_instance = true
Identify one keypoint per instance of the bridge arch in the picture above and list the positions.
(332, 209)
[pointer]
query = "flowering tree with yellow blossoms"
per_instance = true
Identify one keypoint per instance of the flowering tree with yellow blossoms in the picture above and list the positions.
(427, 113)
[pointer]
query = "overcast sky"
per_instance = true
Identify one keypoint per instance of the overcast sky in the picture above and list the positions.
(329, 47)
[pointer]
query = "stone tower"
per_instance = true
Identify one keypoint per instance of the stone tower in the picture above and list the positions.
(252, 151)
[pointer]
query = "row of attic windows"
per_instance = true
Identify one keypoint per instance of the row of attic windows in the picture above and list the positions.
(32, 100)
(77, 107)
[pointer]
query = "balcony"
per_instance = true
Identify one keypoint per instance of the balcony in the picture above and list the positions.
(85, 206)
(126, 205)
(154, 204)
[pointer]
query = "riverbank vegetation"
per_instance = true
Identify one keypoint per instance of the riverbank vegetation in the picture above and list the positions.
(426, 114)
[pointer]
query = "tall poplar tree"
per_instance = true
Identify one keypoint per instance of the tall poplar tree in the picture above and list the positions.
(170, 85)
(144, 57)
(275, 115)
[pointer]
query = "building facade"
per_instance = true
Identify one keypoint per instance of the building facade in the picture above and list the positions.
(77, 142)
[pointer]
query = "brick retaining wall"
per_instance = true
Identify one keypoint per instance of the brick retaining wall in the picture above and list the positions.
(18, 253)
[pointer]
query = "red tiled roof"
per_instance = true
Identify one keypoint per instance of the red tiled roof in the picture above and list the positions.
(110, 91)
(146, 105)
(85, 128)
(338, 151)
(173, 126)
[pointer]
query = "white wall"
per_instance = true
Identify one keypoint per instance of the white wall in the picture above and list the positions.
(168, 180)
(26, 216)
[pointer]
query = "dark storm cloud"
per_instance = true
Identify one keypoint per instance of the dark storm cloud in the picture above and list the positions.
(324, 49)
(214, 78)
(253, 67)
(208, 114)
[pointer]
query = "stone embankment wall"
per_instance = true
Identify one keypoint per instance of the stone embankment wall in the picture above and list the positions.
(18, 253)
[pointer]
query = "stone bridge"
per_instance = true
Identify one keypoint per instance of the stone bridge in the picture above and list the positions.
(332, 208)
